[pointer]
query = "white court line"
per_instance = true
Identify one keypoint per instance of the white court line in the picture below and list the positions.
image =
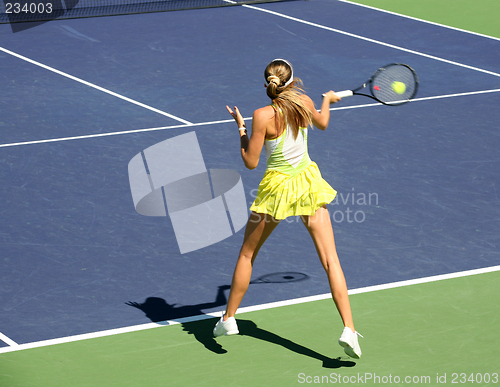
(136, 328)
(8, 340)
(370, 40)
(420, 20)
(421, 99)
(457, 95)
(115, 133)
(93, 86)
(60, 139)
(223, 121)
(368, 289)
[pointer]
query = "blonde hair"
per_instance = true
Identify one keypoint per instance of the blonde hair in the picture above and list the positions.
(285, 91)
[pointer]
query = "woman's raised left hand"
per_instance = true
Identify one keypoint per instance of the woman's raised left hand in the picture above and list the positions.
(237, 116)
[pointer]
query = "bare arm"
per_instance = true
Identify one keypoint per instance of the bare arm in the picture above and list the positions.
(322, 118)
(251, 147)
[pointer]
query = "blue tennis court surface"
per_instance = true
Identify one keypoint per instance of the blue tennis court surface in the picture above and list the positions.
(418, 184)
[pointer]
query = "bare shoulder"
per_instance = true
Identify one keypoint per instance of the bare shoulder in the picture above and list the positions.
(308, 102)
(264, 113)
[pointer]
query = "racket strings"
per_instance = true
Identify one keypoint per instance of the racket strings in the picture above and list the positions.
(393, 84)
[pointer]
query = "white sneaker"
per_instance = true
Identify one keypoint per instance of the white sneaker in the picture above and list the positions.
(228, 327)
(349, 340)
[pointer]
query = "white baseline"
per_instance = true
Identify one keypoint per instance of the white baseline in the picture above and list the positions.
(271, 305)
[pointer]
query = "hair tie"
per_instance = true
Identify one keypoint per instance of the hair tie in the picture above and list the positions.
(279, 82)
(273, 79)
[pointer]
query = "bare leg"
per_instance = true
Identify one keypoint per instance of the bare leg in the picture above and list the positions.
(258, 229)
(320, 228)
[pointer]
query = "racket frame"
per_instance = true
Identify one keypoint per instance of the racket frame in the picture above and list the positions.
(369, 82)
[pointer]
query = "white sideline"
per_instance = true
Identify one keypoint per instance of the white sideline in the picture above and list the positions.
(93, 86)
(7, 340)
(370, 40)
(420, 20)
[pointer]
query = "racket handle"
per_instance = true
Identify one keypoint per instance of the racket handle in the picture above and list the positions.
(345, 93)
(342, 94)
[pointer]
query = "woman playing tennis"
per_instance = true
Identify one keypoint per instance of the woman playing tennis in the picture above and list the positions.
(292, 186)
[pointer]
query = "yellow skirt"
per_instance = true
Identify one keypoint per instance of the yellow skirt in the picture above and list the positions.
(282, 195)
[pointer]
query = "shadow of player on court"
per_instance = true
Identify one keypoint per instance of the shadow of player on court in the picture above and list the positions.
(159, 311)
(249, 328)
(202, 331)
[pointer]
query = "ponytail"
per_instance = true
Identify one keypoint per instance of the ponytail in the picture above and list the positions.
(285, 91)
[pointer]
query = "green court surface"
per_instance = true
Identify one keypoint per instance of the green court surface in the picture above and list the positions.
(480, 16)
(414, 333)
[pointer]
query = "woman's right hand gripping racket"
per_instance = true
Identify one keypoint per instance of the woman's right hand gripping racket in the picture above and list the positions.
(394, 84)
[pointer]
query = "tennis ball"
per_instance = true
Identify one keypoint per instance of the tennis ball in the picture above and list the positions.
(398, 87)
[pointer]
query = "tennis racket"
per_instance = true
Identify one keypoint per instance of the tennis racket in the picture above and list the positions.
(394, 84)
(279, 278)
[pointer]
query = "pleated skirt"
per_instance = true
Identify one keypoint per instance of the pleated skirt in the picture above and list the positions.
(282, 195)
